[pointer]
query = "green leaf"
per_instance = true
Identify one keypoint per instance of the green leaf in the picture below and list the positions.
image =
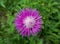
(32, 41)
(40, 41)
(2, 3)
(55, 3)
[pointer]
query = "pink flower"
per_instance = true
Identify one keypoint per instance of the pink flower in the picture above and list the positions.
(28, 22)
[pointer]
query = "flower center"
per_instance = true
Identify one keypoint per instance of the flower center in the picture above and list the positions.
(29, 22)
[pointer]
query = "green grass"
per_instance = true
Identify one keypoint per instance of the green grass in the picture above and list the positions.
(49, 9)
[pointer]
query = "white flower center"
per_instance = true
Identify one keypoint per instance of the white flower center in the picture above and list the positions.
(29, 22)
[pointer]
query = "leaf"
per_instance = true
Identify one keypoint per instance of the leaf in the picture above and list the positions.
(2, 3)
(32, 41)
(55, 3)
(40, 41)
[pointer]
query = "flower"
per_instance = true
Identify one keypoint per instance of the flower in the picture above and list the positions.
(28, 22)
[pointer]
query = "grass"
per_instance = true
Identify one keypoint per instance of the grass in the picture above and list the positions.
(49, 9)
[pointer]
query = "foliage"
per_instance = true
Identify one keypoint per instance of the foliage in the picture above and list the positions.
(49, 9)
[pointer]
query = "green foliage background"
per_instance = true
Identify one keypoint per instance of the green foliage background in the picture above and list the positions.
(49, 9)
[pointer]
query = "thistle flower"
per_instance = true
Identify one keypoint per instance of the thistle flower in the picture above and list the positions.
(28, 22)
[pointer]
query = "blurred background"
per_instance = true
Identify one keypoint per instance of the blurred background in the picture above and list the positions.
(49, 9)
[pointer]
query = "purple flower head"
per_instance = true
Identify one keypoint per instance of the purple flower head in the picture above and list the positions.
(28, 22)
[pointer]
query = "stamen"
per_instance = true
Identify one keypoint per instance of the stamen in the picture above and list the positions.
(29, 21)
